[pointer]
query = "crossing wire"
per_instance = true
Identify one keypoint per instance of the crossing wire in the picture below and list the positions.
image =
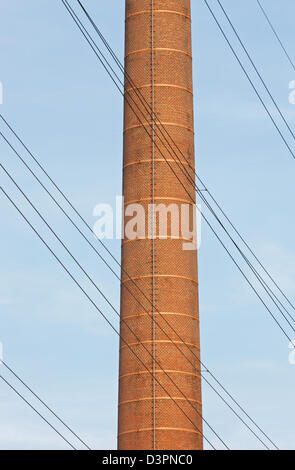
(163, 133)
(118, 314)
(108, 321)
(125, 286)
(99, 54)
(42, 402)
(249, 79)
(276, 34)
(78, 2)
(256, 69)
(100, 291)
(36, 411)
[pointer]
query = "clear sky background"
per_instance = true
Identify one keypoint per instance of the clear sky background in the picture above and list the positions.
(68, 112)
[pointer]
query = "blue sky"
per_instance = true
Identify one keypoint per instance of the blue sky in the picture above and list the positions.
(68, 112)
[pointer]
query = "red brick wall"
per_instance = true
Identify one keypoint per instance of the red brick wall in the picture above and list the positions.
(167, 274)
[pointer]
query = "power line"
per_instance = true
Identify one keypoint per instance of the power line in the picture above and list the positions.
(43, 402)
(261, 265)
(276, 34)
(157, 121)
(102, 58)
(235, 31)
(36, 411)
(100, 291)
(125, 286)
(100, 311)
(250, 80)
(256, 69)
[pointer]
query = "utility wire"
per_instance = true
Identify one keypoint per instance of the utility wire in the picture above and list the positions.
(249, 248)
(276, 34)
(133, 85)
(118, 314)
(100, 291)
(43, 403)
(250, 80)
(160, 126)
(101, 313)
(153, 115)
(36, 411)
(99, 54)
(140, 303)
(256, 69)
(235, 31)
(125, 286)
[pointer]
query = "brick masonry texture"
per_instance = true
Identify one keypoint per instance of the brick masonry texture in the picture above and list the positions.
(158, 58)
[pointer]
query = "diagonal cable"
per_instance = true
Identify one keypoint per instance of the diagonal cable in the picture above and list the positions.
(99, 54)
(100, 312)
(43, 402)
(249, 79)
(101, 293)
(163, 131)
(36, 411)
(131, 292)
(276, 34)
(256, 69)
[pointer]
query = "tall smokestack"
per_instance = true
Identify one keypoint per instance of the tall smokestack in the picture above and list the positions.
(158, 58)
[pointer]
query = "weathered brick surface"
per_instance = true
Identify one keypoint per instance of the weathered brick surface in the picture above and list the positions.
(146, 422)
